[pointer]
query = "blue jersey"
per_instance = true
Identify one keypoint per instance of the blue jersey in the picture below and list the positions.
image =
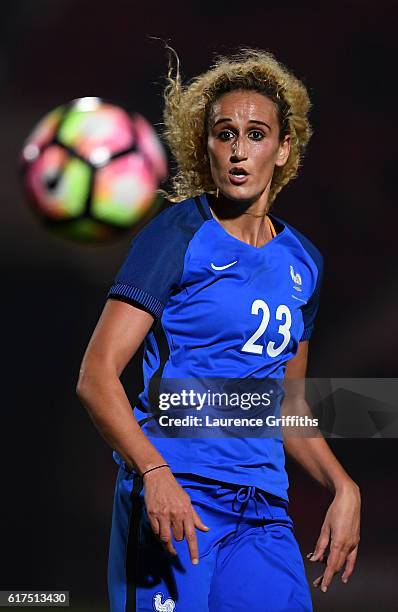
(223, 309)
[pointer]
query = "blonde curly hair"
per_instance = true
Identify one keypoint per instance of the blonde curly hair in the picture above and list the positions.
(187, 109)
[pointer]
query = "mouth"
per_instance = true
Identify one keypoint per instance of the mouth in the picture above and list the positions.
(238, 175)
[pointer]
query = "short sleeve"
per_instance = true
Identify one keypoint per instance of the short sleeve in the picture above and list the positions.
(153, 266)
(310, 309)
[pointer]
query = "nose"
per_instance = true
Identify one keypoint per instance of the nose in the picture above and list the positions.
(238, 151)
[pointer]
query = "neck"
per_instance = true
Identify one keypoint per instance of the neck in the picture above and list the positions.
(226, 208)
(247, 221)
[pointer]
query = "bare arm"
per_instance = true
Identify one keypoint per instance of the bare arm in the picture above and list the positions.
(119, 332)
(340, 529)
(312, 453)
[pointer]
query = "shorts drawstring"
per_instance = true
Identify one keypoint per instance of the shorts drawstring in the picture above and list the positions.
(242, 497)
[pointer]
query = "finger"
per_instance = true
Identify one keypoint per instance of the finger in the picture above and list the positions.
(334, 564)
(177, 528)
(190, 536)
(154, 525)
(317, 581)
(165, 537)
(321, 545)
(323, 559)
(350, 564)
(198, 521)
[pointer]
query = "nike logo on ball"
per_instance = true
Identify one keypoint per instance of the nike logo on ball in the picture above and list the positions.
(223, 267)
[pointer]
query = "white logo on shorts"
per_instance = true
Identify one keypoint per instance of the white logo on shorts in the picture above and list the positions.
(167, 606)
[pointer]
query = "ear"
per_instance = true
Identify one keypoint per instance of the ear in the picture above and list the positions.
(283, 151)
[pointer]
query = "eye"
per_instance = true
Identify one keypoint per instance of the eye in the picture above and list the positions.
(225, 135)
(256, 135)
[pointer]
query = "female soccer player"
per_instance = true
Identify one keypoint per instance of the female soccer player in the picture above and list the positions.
(220, 289)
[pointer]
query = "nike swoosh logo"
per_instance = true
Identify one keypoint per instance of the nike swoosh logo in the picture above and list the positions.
(224, 267)
(299, 299)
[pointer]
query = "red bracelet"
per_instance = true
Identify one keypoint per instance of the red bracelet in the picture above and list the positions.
(155, 468)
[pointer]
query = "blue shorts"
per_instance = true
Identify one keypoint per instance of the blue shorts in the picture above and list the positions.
(249, 560)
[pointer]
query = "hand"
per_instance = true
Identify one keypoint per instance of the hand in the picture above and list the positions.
(341, 529)
(170, 510)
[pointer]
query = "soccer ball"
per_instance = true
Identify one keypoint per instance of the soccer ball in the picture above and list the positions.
(90, 170)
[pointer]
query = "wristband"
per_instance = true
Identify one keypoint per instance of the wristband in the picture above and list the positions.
(155, 468)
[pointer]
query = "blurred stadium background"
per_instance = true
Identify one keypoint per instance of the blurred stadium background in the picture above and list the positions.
(57, 474)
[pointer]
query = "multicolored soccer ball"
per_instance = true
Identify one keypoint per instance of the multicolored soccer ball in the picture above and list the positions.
(91, 170)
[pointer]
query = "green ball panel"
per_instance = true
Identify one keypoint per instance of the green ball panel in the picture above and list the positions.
(71, 127)
(114, 212)
(76, 184)
(117, 214)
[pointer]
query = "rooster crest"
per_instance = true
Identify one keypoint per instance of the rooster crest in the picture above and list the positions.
(167, 606)
(296, 277)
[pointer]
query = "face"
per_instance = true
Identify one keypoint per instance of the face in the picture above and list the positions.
(243, 145)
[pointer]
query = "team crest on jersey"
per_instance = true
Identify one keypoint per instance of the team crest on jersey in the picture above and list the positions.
(167, 605)
(296, 277)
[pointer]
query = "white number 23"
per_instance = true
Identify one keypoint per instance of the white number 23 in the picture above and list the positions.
(284, 328)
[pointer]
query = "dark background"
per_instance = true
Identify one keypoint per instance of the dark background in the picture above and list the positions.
(57, 473)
